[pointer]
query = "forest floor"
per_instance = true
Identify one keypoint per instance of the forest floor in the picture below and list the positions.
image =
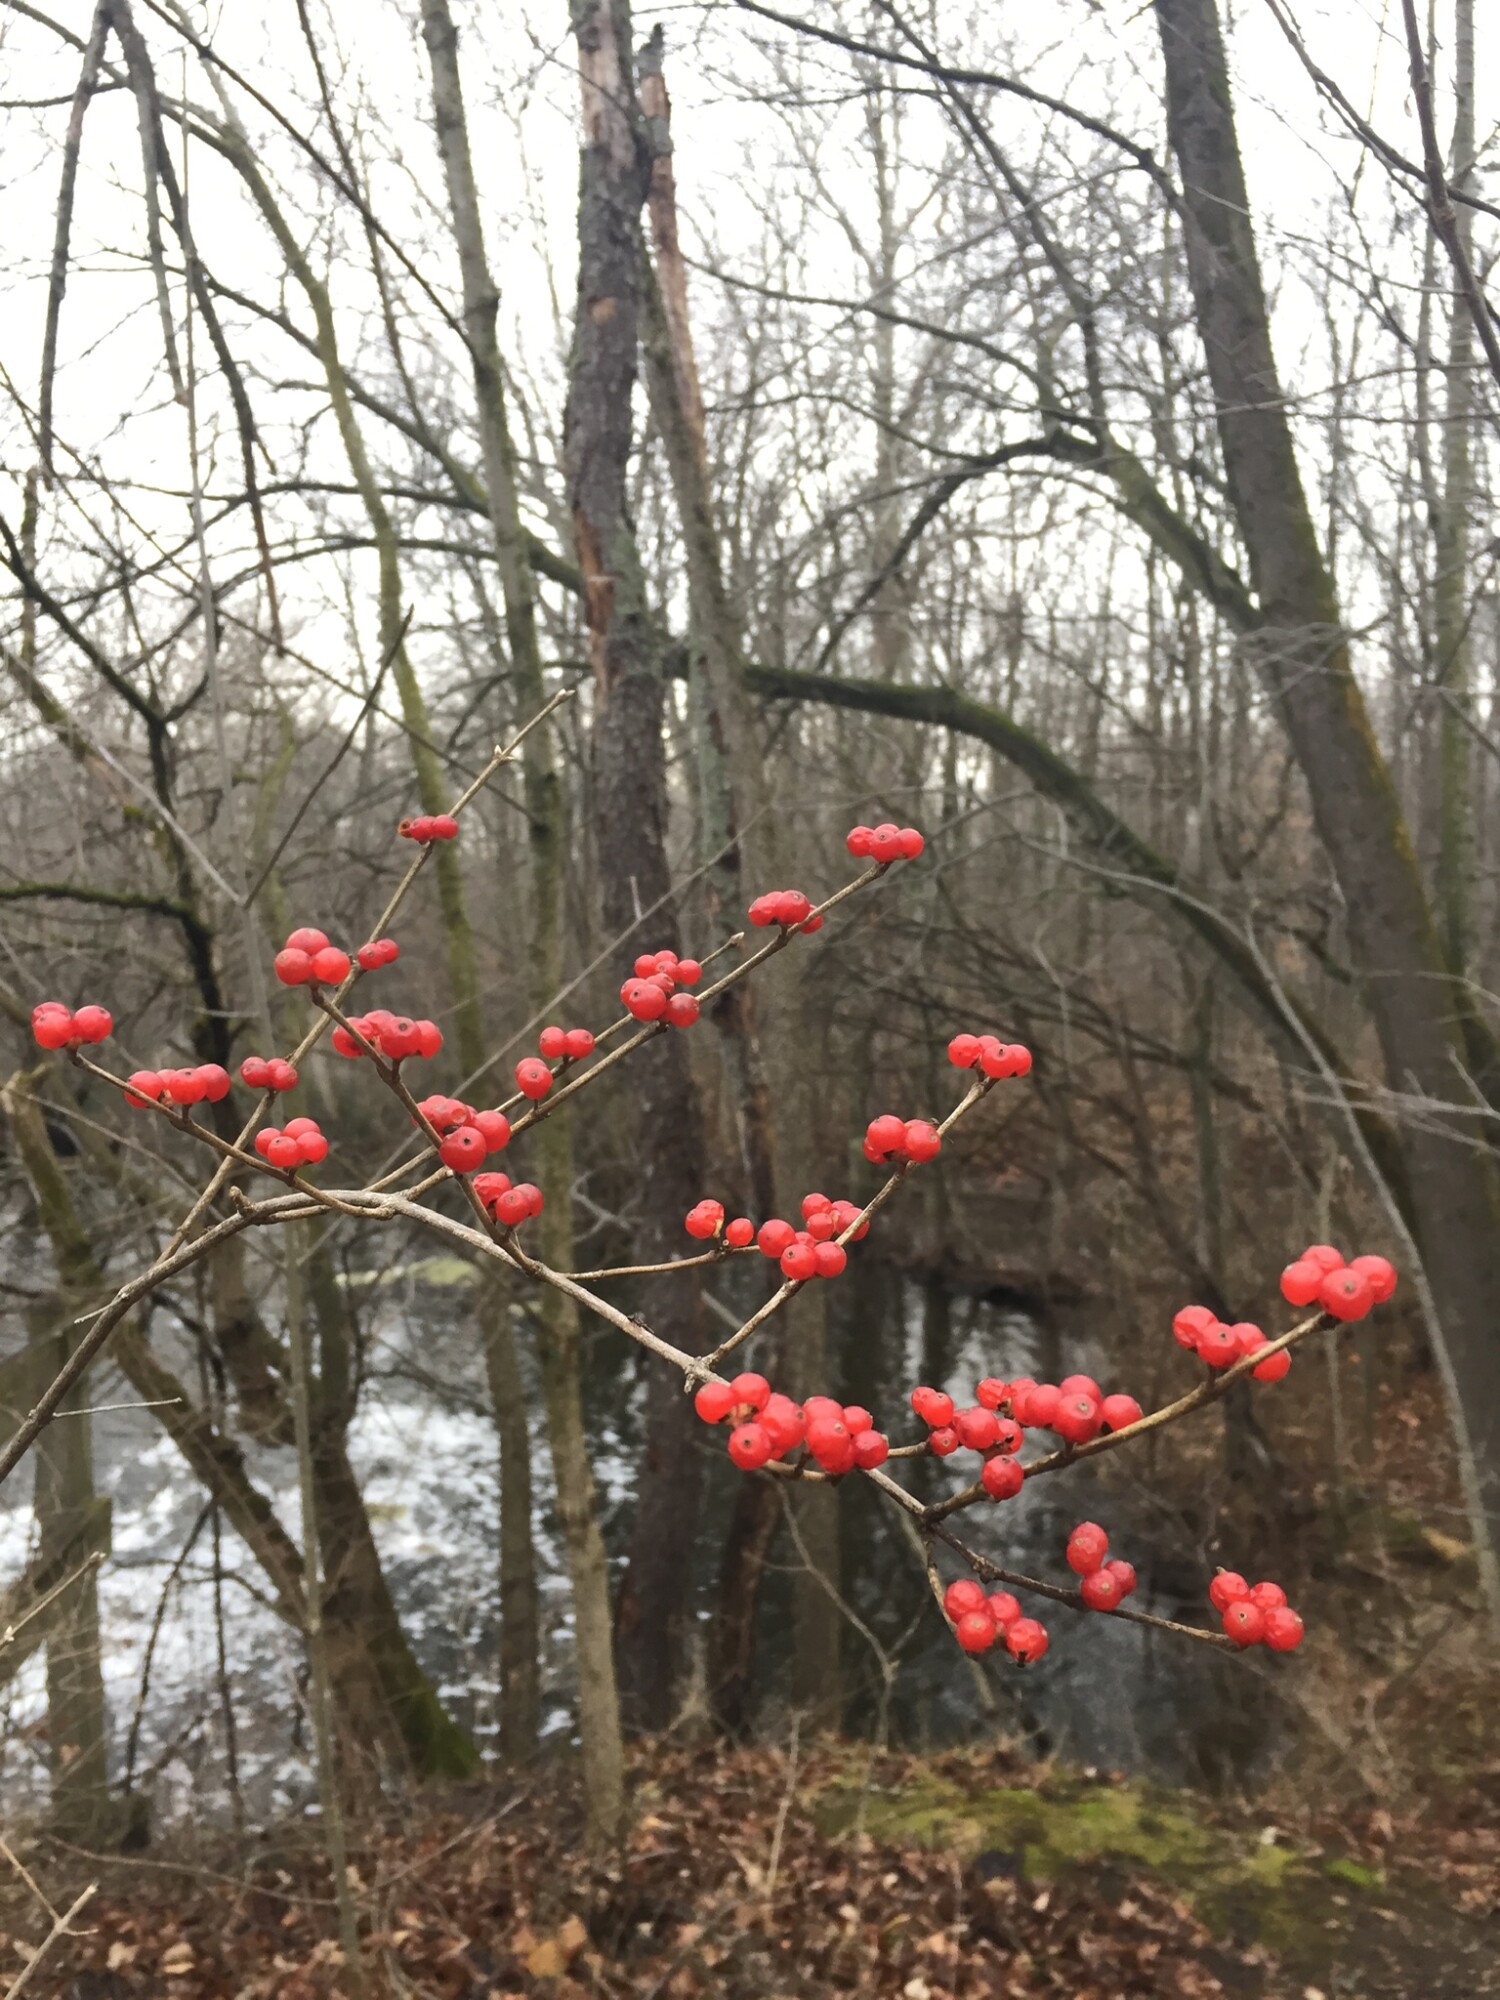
(766, 1874)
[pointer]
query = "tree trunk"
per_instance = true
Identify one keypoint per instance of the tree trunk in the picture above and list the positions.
(1303, 654)
(631, 818)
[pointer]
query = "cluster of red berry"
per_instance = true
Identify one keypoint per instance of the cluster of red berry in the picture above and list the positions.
(378, 952)
(889, 1140)
(989, 1054)
(395, 1035)
(1105, 1582)
(177, 1086)
(566, 1044)
(509, 1202)
(468, 1136)
(1255, 1614)
(298, 1143)
(428, 827)
(980, 1618)
(705, 1220)
(787, 907)
(55, 1026)
(768, 1425)
(268, 1073)
(308, 959)
(655, 992)
(884, 843)
(1321, 1277)
(1076, 1409)
(1203, 1333)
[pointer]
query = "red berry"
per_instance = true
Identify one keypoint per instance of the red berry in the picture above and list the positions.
(283, 1152)
(1003, 1608)
(552, 1043)
(830, 1259)
(911, 843)
(1009, 1436)
(494, 1128)
(293, 968)
(1088, 1545)
(1269, 1596)
(463, 1150)
(1301, 1282)
(923, 1140)
(444, 827)
(773, 1237)
(143, 1085)
(976, 1631)
(1002, 1060)
(184, 1086)
(962, 1595)
(787, 1423)
(1189, 1323)
(1117, 1412)
(330, 966)
(96, 1024)
(1123, 1573)
(1218, 1346)
(1283, 1629)
(1036, 1405)
(933, 1406)
(344, 1043)
(429, 1038)
(963, 1051)
(682, 1010)
(1274, 1367)
(991, 1392)
(643, 999)
(1347, 1294)
(645, 965)
(751, 1389)
(687, 972)
(858, 839)
(885, 1138)
(511, 1206)
(280, 1075)
(1324, 1256)
(942, 1442)
(312, 1147)
(216, 1085)
(704, 1220)
(740, 1233)
(714, 1401)
(256, 1072)
(52, 1030)
(533, 1078)
(885, 843)
(1379, 1273)
(1001, 1477)
(295, 1127)
(1080, 1385)
(815, 1204)
(1101, 1590)
(306, 939)
(1026, 1640)
(577, 1044)
(814, 1407)
(1077, 1419)
(1244, 1622)
(977, 1428)
(379, 951)
(489, 1188)
(792, 907)
(831, 1445)
(857, 1418)
(871, 1448)
(750, 1446)
(1227, 1588)
(799, 1262)
(264, 1137)
(845, 1214)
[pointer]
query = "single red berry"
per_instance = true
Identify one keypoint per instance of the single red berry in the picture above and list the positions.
(1026, 1641)
(1088, 1545)
(923, 1140)
(255, 1071)
(313, 1147)
(1269, 1596)
(184, 1086)
(1077, 1419)
(1227, 1588)
(344, 1043)
(1080, 1385)
(714, 1401)
(489, 1188)
(1100, 1590)
(830, 1259)
(1244, 1622)
(911, 843)
(871, 1448)
(1117, 1412)
(977, 1428)
(964, 1051)
(512, 1207)
(814, 1407)
(295, 1127)
(1189, 1322)
(830, 1443)
(1301, 1282)
(1001, 1477)
(264, 1137)
(52, 1030)
(963, 1594)
(976, 1631)
(682, 1010)
(799, 1262)
(740, 1233)
(793, 908)
(552, 1044)
(533, 1078)
(885, 1137)
(643, 999)
(1037, 1405)
(216, 1084)
(645, 965)
(429, 1038)
(688, 972)
(1009, 1436)
(1021, 1059)
(786, 1421)
(494, 1128)
(1003, 1608)
(813, 923)
(751, 1389)
(933, 1406)
(1324, 1256)
(306, 939)
(997, 1059)
(463, 1150)
(444, 827)
(1283, 1629)
(857, 1418)
(1347, 1294)
(845, 1214)
(1275, 1366)
(775, 1236)
(284, 1152)
(815, 1204)
(1123, 1573)
(577, 1044)
(330, 966)
(1378, 1272)
(143, 1086)
(750, 1446)
(96, 1024)
(704, 1220)
(858, 839)
(942, 1442)
(991, 1392)
(292, 968)
(885, 843)
(1218, 1346)
(280, 1074)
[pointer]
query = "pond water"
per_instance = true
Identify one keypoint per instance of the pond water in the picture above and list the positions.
(1108, 1694)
